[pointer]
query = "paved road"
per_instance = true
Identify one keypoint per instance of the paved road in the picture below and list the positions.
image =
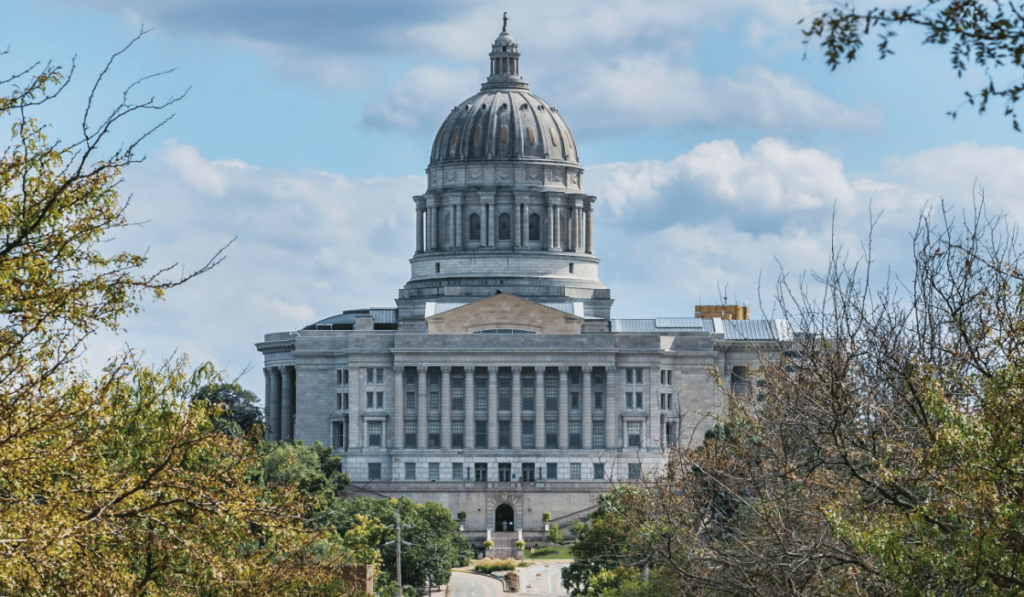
(539, 580)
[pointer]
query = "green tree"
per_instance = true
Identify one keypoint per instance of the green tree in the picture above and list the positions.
(603, 546)
(987, 33)
(239, 413)
(554, 534)
(114, 483)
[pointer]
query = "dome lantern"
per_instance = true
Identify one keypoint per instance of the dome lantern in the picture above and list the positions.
(504, 62)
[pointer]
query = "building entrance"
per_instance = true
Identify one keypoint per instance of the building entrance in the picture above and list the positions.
(504, 518)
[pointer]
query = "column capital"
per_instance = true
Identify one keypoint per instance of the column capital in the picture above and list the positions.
(422, 368)
(517, 369)
(588, 368)
(610, 369)
(492, 368)
(399, 369)
(446, 369)
(563, 369)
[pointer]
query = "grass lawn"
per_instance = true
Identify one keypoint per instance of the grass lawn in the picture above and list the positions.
(558, 552)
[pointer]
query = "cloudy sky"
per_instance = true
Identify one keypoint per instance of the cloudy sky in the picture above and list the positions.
(720, 156)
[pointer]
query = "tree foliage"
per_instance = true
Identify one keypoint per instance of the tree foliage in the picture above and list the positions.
(115, 483)
(237, 413)
(886, 455)
(986, 33)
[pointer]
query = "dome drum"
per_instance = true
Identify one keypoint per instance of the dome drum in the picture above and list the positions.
(534, 175)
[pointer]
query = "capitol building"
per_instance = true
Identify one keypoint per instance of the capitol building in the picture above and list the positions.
(500, 384)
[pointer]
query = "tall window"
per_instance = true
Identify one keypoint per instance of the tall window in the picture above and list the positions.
(634, 471)
(410, 434)
(528, 441)
(456, 471)
(374, 430)
(575, 471)
(670, 434)
(410, 471)
(458, 393)
(447, 229)
(597, 435)
(380, 399)
(373, 471)
(528, 472)
(598, 400)
(504, 227)
(633, 431)
(480, 433)
(552, 471)
(474, 227)
(629, 399)
(410, 376)
(458, 433)
(410, 400)
(504, 434)
(434, 400)
(550, 392)
(574, 400)
(575, 434)
(480, 394)
(551, 434)
(369, 375)
(338, 435)
(563, 232)
(369, 400)
(534, 227)
(599, 471)
(434, 434)
(639, 399)
(480, 471)
(433, 471)
(504, 472)
(528, 391)
(505, 391)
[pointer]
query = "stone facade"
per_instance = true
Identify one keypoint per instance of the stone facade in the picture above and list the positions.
(500, 385)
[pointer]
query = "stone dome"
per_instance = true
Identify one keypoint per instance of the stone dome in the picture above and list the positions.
(504, 121)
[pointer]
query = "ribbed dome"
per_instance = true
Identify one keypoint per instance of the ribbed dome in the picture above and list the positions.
(503, 124)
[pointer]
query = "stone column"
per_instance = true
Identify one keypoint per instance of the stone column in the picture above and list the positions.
(421, 408)
(563, 407)
(558, 228)
(356, 398)
(551, 226)
(399, 410)
(578, 217)
(517, 407)
(492, 407)
(613, 394)
(419, 224)
(458, 223)
(266, 404)
(274, 403)
(539, 407)
(446, 407)
(650, 408)
(590, 227)
(287, 403)
(469, 420)
(435, 226)
(588, 407)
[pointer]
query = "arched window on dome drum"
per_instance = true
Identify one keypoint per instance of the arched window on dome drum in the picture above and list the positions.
(447, 229)
(505, 227)
(563, 232)
(474, 227)
(534, 227)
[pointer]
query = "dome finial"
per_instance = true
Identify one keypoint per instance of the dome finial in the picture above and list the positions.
(504, 22)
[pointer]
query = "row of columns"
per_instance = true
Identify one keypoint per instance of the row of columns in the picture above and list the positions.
(279, 408)
(440, 223)
(612, 398)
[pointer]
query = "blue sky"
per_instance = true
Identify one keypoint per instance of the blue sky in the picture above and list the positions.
(720, 156)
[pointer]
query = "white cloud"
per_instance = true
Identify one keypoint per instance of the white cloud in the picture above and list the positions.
(422, 96)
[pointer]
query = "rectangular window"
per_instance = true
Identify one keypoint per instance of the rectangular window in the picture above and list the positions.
(529, 393)
(458, 431)
(410, 376)
(668, 401)
(504, 472)
(629, 376)
(410, 434)
(639, 399)
(434, 434)
(380, 399)
(341, 401)
(480, 394)
(410, 471)
(374, 471)
(599, 471)
(344, 399)
(504, 434)
(410, 400)
(380, 375)
(341, 377)
(338, 435)
(369, 400)
(504, 392)
(551, 434)
(552, 471)
(551, 393)
(456, 471)
(480, 471)
(639, 376)
(433, 471)
(634, 472)
(633, 431)
(663, 402)
(434, 400)
(528, 441)
(480, 434)
(629, 399)
(597, 435)
(599, 377)
(458, 393)
(369, 376)
(575, 471)
(575, 434)
(663, 377)
(575, 375)
(574, 400)
(598, 400)
(670, 434)
(374, 430)
(528, 473)
(434, 376)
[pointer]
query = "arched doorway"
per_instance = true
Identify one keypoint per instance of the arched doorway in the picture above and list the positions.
(504, 518)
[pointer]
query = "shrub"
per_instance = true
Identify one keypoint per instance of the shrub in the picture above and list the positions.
(461, 516)
(546, 517)
(555, 534)
(489, 565)
(488, 545)
(520, 545)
